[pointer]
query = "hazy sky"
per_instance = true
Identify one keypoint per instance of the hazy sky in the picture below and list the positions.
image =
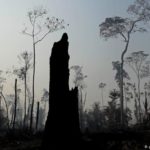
(86, 48)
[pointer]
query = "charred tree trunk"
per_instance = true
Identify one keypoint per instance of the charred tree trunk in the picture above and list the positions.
(25, 100)
(62, 125)
(74, 111)
(37, 116)
(15, 104)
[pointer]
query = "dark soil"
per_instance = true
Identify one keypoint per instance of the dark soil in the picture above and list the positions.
(139, 140)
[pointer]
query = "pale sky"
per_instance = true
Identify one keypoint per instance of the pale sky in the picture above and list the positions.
(86, 47)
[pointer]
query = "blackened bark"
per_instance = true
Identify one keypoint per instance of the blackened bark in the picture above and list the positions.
(37, 116)
(62, 125)
(74, 117)
(15, 105)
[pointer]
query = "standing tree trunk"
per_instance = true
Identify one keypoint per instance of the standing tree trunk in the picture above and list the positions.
(112, 27)
(139, 98)
(80, 109)
(102, 97)
(52, 24)
(25, 101)
(37, 115)
(32, 105)
(0, 103)
(15, 105)
(146, 108)
(121, 82)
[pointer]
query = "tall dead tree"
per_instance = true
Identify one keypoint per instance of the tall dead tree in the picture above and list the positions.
(135, 61)
(37, 116)
(62, 125)
(15, 104)
(41, 25)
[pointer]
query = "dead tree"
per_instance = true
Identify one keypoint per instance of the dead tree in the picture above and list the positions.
(62, 125)
(37, 115)
(15, 104)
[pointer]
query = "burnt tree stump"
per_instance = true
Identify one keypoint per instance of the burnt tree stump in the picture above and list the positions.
(62, 125)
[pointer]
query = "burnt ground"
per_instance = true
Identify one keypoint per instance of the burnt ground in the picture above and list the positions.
(139, 140)
(32, 144)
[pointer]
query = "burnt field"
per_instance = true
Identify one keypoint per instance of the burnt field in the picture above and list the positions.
(118, 140)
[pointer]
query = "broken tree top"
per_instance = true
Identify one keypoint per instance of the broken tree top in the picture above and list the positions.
(59, 65)
(60, 48)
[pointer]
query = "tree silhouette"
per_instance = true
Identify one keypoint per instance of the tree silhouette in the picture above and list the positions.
(15, 105)
(133, 89)
(37, 116)
(45, 97)
(2, 80)
(117, 68)
(114, 27)
(25, 60)
(113, 111)
(80, 84)
(127, 94)
(140, 10)
(102, 86)
(145, 103)
(135, 62)
(95, 118)
(41, 25)
(62, 125)
(145, 71)
(1, 93)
